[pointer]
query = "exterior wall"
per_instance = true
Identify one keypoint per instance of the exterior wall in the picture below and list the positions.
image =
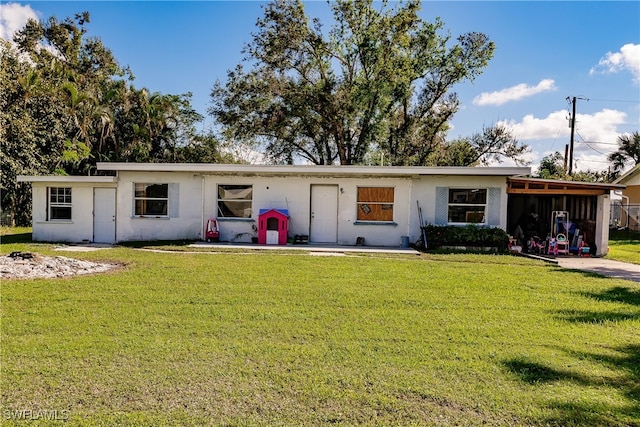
(294, 194)
(632, 180)
(425, 188)
(185, 220)
(633, 193)
(80, 228)
(195, 200)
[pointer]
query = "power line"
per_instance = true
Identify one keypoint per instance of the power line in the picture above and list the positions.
(599, 142)
(591, 161)
(615, 100)
(589, 146)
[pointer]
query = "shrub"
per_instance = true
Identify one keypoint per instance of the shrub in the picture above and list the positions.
(469, 235)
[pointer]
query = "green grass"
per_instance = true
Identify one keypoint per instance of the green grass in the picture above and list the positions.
(15, 235)
(292, 339)
(624, 246)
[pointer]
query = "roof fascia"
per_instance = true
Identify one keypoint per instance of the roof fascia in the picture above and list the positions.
(208, 168)
(628, 175)
(568, 184)
(66, 178)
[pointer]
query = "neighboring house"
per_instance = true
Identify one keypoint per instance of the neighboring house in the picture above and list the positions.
(329, 204)
(325, 204)
(630, 203)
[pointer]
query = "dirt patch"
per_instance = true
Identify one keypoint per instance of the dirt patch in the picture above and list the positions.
(28, 265)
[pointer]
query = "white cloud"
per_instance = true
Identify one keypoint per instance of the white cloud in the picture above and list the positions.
(595, 138)
(628, 58)
(530, 127)
(514, 93)
(600, 126)
(13, 17)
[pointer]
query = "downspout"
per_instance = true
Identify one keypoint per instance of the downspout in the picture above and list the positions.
(117, 189)
(202, 224)
(626, 224)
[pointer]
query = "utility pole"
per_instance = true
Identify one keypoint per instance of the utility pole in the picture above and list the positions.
(573, 130)
(572, 124)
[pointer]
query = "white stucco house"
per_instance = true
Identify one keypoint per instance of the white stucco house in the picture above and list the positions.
(329, 204)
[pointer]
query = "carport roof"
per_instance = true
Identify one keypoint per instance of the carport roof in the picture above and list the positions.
(518, 185)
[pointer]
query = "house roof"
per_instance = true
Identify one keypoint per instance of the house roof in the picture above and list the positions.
(521, 185)
(67, 179)
(314, 170)
(628, 176)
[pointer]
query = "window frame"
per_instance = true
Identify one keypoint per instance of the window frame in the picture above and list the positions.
(468, 204)
(58, 204)
(145, 213)
(224, 201)
(364, 206)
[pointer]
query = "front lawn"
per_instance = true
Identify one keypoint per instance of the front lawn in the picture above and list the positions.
(294, 339)
(624, 246)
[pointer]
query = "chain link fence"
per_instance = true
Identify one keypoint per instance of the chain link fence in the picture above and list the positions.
(625, 215)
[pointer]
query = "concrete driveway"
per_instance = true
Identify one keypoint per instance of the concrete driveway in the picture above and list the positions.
(603, 266)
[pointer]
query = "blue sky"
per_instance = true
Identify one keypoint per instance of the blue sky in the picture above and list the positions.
(546, 51)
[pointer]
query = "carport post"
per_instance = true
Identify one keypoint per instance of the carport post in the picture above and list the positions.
(601, 239)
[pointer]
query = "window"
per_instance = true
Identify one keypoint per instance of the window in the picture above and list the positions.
(234, 201)
(151, 199)
(467, 206)
(59, 207)
(375, 204)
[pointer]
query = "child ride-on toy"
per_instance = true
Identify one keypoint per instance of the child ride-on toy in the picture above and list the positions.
(212, 232)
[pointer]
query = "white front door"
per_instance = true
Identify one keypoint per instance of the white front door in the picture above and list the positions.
(324, 214)
(104, 215)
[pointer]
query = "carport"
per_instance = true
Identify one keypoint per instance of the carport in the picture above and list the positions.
(532, 201)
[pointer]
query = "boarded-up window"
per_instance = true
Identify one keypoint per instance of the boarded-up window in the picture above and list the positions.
(375, 203)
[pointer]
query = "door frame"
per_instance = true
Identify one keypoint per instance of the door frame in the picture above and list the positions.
(112, 199)
(324, 238)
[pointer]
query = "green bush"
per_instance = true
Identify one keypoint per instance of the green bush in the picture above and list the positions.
(469, 235)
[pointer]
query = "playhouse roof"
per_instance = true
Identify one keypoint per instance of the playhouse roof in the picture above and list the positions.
(284, 212)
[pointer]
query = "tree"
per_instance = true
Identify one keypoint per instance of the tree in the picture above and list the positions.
(203, 148)
(31, 131)
(490, 146)
(380, 79)
(552, 167)
(66, 103)
(628, 153)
